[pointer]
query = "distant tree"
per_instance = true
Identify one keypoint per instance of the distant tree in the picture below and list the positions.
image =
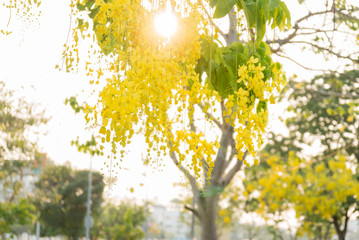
(122, 222)
(14, 205)
(20, 213)
(325, 111)
(17, 117)
(61, 200)
(328, 28)
(323, 194)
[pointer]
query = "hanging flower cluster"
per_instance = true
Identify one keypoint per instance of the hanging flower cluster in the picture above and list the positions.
(156, 88)
(26, 10)
(251, 103)
(315, 190)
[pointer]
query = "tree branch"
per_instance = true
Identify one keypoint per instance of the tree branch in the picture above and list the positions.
(295, 34)
(346, 221)
(327, 50)
(231, 157)
(231, 36)
(347, 16)
(209, 17)
(229, 176)
(194, 211)
(220, 161)
(299, 64)
(337, 225)
(334, 94)
(191, 179)
(210, 116)
(296, 28)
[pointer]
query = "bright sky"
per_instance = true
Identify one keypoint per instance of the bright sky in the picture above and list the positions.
(27, 65)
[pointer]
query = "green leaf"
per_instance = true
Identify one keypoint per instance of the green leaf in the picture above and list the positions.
(94, 11)
(89, 4)
(286, 14)
(213, 3)
(260, 26)
(250, 10)
(273, 4)
(80, 23)
(223, 7)
(80, 7)
(262, 17)
(262, 105)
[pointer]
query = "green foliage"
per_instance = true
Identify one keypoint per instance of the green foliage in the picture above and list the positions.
(15, 208)
(61, 199)
(258, 13)
(16, 117)
(221, 64)
(11, 176)
(122, 222)
(19, 213)
(222, 7)
(326, 108)
(72, 101)
(89, 146)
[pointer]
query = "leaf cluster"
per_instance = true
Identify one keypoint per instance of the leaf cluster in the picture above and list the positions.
(321, 190)
(326, 109)
(123, 221)
(258, 13)
(221, 64)
(17, 118)
(61, 199)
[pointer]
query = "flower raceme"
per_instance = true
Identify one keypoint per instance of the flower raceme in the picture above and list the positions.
(156, 88)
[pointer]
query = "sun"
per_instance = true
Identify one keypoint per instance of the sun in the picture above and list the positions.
(166, 22)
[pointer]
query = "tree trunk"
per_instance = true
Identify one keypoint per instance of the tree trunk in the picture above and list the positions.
(341, 233)
(341, 236)
(207, 207)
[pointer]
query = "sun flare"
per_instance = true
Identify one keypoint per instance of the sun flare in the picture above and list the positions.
(166, 22)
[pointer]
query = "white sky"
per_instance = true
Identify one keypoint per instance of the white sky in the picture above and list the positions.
(27, 65)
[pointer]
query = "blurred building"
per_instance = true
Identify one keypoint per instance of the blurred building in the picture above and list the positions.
(169, 222)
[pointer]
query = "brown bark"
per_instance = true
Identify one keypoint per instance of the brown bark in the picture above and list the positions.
(208, 213)
(223, 173)
(341, 233)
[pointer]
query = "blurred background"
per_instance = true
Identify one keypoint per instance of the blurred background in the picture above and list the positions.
(305, 186)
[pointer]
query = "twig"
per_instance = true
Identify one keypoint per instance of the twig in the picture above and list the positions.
(8, 22)
(211, 20)
(67, 38)
(210, 116)
(191, 179)
(228, 178)
(195, 212)
(327, 50)
(307, 68)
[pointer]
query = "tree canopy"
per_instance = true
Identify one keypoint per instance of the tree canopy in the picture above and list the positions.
(197, 97)
(201, 96)
(18, 157)
(61, 200)
(122, 221)
(321, 185)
